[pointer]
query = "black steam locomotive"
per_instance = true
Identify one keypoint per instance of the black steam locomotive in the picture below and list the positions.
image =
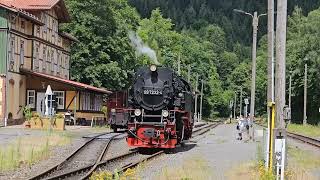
(160, 109)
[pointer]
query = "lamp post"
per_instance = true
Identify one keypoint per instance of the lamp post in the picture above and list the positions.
(255, 23)
(305, 92)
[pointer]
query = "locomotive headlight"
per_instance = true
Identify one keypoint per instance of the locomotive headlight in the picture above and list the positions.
(165, 113)
(137, 112)
(153, 68)
(113, 112)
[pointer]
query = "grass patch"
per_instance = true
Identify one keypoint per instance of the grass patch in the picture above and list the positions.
(249, 171)
(301, 163)
(193, 168)
(30, 149)
(307, 130)
(128, 174)
(304, 158)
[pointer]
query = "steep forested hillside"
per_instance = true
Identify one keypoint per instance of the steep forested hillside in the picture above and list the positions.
(205, 34)
(197, 13)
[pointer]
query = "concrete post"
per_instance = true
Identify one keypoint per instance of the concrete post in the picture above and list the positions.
(280, 82)
(196, 100)
(305, 95)
(201, 100)
(254, 57)
(240, 111)
(235, 105)
(189, 73)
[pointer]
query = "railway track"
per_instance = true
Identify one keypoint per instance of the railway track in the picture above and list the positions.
(305, 139)
(82, 156)
(197, 132)
(122, 162)
(302, 138)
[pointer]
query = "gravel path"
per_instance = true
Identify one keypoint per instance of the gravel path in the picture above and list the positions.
(57, 154)
(218, 147)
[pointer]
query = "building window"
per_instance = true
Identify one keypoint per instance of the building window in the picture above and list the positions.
(59, 98)
(91, 101)
(22, 24)
(36, 59)
(67, 62)
(13, 19)
(52, 61)
(48, 68)
(21, 53)
(38, 29)
(45, 21)
(31, 97)
(58, 63)
(44, 59)
(11, 54)
(48, 61)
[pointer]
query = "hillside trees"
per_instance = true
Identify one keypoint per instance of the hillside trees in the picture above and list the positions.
(103, 57)
(192, 50)
(204, 34)
(303, 48)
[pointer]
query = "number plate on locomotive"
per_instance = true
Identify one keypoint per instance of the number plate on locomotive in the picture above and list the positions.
(152, 92)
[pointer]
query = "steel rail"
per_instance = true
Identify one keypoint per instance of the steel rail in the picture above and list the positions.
(89, 169)
(305, 139)
(134, 164)
(103, 153)
(302, 138)
(55, 167)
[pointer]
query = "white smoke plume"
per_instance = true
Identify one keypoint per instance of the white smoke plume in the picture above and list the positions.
(141, 48)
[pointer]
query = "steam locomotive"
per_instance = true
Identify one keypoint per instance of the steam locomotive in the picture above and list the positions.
(160, 109)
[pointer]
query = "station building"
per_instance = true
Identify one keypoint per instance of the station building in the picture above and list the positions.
(35, 54)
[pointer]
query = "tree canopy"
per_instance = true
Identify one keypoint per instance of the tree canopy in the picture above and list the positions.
(203, 34)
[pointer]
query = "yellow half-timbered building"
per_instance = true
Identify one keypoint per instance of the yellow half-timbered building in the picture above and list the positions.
(36, 54)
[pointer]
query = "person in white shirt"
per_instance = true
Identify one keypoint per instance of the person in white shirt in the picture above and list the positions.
(242, 126)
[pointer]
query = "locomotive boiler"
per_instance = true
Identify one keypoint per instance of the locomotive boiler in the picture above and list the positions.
(160, 109)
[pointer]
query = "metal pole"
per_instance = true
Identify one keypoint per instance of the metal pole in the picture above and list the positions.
(189, 73)
(196, 100)
(290, 89)
(179, 68)
(254, 57)
(270, 52)
(234, 105)
(305, 95)
(280, 93)
(240, 101)
(201, 100)
(270, 89)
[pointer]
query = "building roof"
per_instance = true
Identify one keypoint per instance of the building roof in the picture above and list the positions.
(68, 36)
(22, 13)
(66, 81)
(36, 5)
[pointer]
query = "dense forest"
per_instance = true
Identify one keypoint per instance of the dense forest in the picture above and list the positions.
(205, 34)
